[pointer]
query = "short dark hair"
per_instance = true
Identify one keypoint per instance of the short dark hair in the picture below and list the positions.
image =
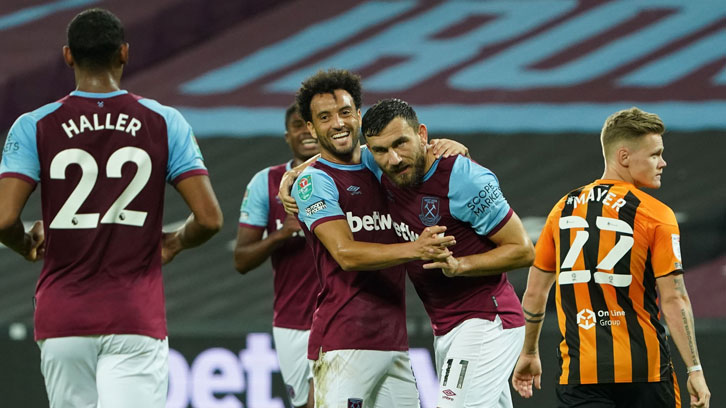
(291, 110)
(383, 112)
(95, 37)
(324, 82)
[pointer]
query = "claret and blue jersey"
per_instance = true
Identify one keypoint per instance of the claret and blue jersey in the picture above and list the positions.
(102, 161)
(295, 284)
(465, 197)
(356, 309)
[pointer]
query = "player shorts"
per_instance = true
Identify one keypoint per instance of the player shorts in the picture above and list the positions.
(474, 362)
(292, 351)
(108, 371)
(663, 394)
(364, 379)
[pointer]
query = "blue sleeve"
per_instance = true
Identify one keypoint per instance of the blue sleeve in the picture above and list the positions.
(367, 158)
(475, 196)
(184, 153)
(256, 203)
(20, 154)
(316, 196)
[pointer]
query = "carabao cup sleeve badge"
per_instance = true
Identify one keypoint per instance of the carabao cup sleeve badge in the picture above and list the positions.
(305, 187)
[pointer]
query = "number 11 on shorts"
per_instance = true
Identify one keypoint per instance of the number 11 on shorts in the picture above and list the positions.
(452, 380)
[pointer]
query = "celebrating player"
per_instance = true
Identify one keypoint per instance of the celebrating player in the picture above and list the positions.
(296, 285)
(358, 338)
(475, 313)
(102, 157)
(613, 250)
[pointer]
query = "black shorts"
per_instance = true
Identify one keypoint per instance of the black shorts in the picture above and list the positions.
(662, 394)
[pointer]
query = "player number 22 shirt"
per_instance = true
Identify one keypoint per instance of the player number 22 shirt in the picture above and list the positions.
(608, 242)
(102, 161)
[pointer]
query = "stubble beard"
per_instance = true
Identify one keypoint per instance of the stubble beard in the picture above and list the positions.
(344, 154)
(415, 178)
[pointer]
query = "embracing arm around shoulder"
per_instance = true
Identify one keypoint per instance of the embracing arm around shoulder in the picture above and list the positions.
(204, 221)
(676, 308)
(528, 370)
(14, 194)
(353, 255)
(288, 179)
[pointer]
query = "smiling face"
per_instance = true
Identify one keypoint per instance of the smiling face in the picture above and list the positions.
(400, 151)
(644, 161)
(298, 137)
(336, 125)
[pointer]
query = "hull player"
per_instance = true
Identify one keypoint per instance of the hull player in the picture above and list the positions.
(614, 253)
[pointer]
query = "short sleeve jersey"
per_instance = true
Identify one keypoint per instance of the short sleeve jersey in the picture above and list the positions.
(607, 242)
(102, 161)
(295, 283)
(466, 198)
(362, 310)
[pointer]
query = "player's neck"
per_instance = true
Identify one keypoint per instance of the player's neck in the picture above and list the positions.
(616, 173)
(430, 159)
(98, 82)
(348, 159)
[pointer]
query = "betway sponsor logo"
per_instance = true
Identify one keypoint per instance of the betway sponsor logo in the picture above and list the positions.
(377, 222)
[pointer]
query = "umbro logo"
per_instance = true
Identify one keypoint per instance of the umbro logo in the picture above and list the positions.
(353, 190)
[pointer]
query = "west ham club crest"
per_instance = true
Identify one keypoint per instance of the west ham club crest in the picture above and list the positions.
(355, 403)
(429, 211)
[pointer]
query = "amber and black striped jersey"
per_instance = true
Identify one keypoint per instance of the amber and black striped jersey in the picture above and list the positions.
(608, 242)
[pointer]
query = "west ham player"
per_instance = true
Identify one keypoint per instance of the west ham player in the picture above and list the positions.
(358, 338)
(614, 250)
(295, 284)
(475, 313)
(102, 157)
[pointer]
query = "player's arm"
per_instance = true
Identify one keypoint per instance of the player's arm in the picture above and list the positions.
(476, 199)
(287, 181)
(353, 255)
(676, 308)
(251, 249)
(204, 221)
(14, 193)
(448, 147)
(513, 250)
(528, 370)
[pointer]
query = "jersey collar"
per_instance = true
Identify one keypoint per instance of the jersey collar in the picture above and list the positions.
(347, 167)
(432, 170)
(98, 95)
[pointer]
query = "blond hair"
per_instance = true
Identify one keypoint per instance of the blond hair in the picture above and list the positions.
(628, 125)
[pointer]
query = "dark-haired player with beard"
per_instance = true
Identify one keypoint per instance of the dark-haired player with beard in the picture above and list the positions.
(295, 284)
(475, 313)
(358, 338)
(102, 157)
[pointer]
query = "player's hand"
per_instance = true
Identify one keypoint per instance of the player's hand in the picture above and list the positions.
(447, 147)
(170, 246)
(37, 242)
(432, 244)
(288, 179)
(698, 390)
(449, 266)
(528, 371)
(290, 226)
